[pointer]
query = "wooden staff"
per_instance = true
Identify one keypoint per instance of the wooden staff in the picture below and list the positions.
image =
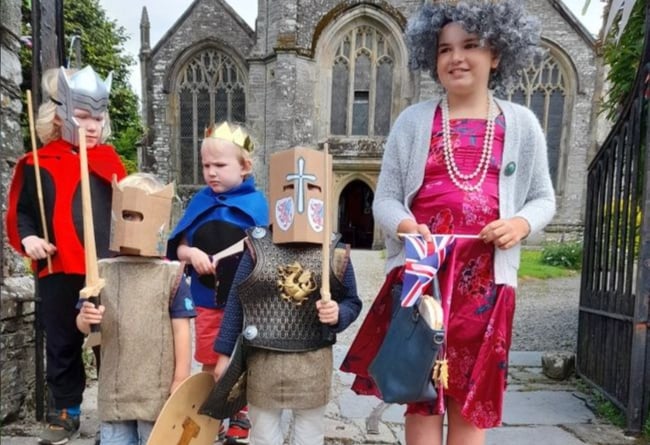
(327, 237)
(94, 283)
(37, 173)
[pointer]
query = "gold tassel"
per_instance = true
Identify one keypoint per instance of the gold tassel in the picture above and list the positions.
(436, 372)
(441, 373)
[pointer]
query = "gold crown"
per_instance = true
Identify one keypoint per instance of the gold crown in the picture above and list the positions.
(237, 137)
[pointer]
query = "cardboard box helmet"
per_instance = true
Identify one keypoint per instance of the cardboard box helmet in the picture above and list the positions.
(296, 195)
(140, 220)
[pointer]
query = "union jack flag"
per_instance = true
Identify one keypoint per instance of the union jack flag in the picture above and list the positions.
(423, 259)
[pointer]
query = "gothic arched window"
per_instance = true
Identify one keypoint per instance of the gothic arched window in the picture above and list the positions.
(543, 89)
(362, 84)
(211, 88)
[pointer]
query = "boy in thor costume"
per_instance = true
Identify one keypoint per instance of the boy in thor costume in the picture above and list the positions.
(275, 302)
(73, 99)
(145, 313)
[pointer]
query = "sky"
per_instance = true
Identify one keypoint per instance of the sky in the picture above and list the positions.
(164, 13)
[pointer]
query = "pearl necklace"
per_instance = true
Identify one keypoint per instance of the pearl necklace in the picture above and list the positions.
(459, 179)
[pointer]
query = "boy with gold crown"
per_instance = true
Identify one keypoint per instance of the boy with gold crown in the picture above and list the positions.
(217, 217)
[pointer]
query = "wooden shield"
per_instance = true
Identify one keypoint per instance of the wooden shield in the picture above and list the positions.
(179, 422)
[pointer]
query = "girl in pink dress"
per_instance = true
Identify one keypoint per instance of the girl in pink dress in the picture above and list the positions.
(466, 164)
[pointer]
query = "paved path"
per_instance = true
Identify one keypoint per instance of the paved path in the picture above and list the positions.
(537, 409)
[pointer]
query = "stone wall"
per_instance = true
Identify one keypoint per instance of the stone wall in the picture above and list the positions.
(16, 306)
(574, 42)
(206, 24)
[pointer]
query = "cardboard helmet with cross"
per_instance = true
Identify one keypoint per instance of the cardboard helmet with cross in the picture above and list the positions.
(296, 195)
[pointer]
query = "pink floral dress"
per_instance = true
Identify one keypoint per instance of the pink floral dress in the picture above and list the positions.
(480, 313)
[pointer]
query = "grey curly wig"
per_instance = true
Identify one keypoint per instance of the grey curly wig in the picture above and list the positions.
(504, 25)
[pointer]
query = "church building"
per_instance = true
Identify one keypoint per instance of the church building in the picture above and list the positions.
(332, 71)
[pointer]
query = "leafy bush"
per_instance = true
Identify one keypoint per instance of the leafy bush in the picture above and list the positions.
(567, 255)
(531, 266)
(623, 58)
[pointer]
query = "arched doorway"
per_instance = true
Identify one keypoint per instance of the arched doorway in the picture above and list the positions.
(355, 215)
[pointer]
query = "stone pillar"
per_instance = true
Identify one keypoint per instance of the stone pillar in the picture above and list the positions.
(16, 287)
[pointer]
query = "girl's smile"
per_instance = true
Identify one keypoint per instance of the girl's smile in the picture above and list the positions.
(464, 61)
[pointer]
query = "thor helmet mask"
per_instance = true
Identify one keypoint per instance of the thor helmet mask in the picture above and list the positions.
(83, 89)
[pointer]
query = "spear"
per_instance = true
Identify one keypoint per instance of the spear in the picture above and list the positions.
(94, 283)
(38, 341)
(37, 173)
(325, 271)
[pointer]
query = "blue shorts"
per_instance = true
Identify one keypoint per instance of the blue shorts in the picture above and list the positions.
(125, 432)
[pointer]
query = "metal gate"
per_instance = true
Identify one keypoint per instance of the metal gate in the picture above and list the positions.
(613, 335)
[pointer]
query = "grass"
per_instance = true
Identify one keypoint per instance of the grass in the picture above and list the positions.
(605, 409)
(531, 266)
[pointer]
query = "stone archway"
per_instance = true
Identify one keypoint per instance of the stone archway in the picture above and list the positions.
(356, 223)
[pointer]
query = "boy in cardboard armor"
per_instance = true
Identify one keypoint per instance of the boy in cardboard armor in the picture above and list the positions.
(145, 314)
(275, 303)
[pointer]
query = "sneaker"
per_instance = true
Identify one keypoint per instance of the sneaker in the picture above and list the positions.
(238, 429)
(60, 430)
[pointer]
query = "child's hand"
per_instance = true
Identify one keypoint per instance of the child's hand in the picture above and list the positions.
(328, 312)
(201, 262)
(89, 314)
(37, 248)
(410, 226)
(505, 233)
(176, 383)
(220, 367)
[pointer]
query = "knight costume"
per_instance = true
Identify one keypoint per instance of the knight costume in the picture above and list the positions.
(277, 284)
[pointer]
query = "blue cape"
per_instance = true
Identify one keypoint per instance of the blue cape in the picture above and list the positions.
(242, 206)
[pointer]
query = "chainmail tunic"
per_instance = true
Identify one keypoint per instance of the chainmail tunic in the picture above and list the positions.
(271, 322)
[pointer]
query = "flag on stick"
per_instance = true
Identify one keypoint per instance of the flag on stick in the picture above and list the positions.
(423, 259)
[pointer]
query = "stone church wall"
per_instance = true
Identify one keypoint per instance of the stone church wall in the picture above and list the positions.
(284, 107)
(571, 190)
(205, 24)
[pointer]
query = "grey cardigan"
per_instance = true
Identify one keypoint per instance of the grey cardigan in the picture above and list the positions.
(526, 192)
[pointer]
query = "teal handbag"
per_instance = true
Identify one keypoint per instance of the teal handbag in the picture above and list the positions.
(403, 367)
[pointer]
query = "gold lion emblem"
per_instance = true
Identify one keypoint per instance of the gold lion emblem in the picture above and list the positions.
(295, 283)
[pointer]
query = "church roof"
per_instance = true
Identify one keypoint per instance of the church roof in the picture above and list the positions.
(574, 22)
(222, 4)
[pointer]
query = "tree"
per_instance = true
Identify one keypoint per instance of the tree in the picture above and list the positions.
(102, 47)
(622, 53)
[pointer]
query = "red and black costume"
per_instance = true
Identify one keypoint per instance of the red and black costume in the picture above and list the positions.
(59, 290)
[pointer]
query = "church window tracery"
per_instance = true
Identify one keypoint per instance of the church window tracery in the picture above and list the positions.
(362, 84)
(211, 88)
(543, 88)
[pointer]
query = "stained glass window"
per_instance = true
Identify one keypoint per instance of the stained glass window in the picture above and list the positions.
(543, 89)
(362, 77)
(211, 88)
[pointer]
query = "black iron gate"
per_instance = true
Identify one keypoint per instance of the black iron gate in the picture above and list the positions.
(613, 335)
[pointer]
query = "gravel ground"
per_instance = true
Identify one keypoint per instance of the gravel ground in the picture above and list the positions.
(546, 317)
